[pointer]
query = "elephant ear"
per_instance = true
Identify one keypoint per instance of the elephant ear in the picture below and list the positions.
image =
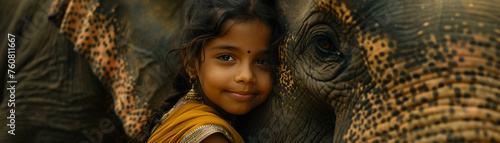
(123, 51)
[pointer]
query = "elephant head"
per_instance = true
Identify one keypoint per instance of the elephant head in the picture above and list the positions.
(352, 71)
(378, 71)
(87, 71)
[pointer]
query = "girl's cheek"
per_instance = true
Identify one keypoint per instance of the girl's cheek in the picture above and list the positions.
(267, 82)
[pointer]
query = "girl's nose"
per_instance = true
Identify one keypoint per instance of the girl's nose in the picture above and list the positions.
(245, 75)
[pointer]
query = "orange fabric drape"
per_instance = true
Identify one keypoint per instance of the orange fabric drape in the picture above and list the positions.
(187, 118)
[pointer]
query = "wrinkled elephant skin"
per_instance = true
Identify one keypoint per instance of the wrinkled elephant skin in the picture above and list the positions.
(378, 71)
(85, 70)
(351, 70)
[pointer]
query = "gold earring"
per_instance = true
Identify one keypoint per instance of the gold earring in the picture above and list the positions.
(192, 94)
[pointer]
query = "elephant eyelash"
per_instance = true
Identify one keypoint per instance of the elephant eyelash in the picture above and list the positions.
(324, 40)
(327, 46)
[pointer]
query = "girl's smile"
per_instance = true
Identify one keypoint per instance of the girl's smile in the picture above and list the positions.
(229, 51)
(241, 95)
(234, 73)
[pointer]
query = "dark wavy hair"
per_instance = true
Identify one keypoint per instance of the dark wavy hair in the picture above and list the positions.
(203, 21)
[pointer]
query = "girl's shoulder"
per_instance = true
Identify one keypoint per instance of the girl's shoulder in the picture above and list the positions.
(191, 121)
(202, 132)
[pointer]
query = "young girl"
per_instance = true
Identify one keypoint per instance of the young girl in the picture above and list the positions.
(229, 49)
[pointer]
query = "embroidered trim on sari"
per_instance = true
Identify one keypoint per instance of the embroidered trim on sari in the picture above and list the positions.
(191, 121)
(202, 132)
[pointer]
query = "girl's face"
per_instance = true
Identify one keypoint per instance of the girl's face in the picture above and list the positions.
(234, 73)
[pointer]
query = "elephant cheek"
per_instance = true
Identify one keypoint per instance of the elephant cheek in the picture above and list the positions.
(444, 93)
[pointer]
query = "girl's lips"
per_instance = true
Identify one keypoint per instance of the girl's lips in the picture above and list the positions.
(241, 95)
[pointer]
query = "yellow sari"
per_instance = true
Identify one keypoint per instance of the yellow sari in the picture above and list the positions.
(192, 122)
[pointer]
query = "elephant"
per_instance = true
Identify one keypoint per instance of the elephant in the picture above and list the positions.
(86, 71)
(351, 71)
(385, 71)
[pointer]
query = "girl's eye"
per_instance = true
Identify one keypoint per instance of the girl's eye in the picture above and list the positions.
(261, 61)
(226, 58)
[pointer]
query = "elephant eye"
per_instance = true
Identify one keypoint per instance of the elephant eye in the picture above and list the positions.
(325, 44)
(326, 47)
